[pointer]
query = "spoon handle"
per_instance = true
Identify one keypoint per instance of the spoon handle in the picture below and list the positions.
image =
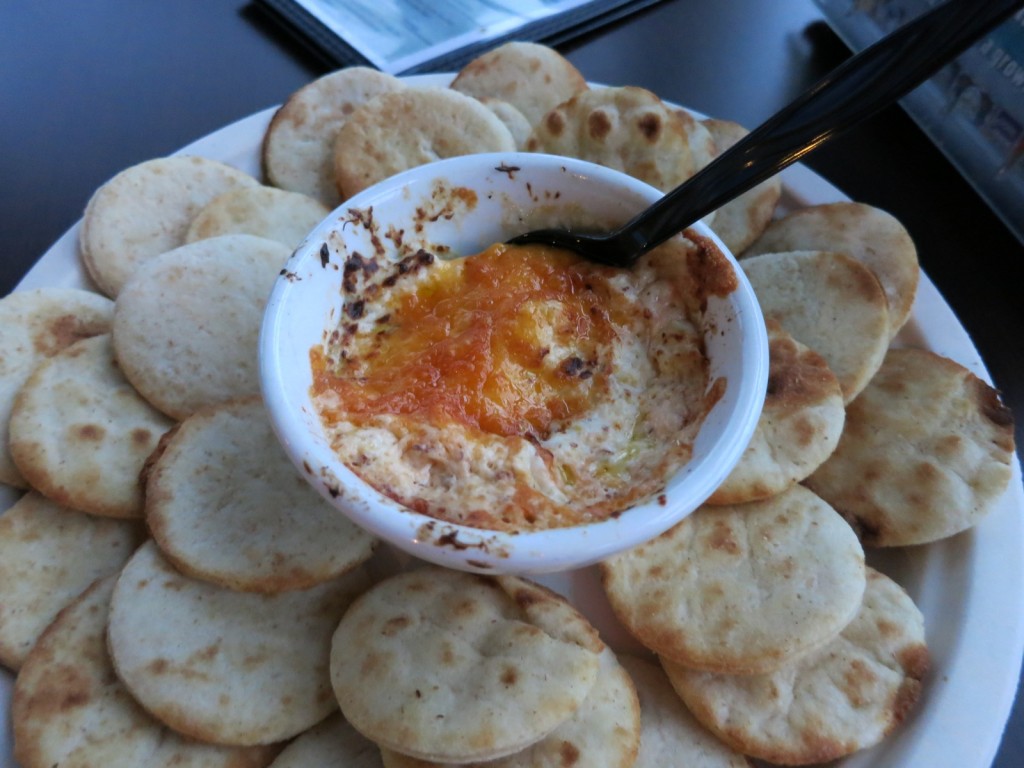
(854, 91)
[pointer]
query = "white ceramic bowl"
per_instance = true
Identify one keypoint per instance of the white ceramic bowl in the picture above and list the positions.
(514, 193)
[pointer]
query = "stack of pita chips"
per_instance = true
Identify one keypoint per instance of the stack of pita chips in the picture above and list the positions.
(169, 583)
(173, 593)
(768, 623)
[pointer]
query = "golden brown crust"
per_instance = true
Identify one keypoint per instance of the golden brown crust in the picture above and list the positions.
(799, 427)
(224, 472)
(48, 555)
(728, 589)
(34, 325)
(604, 732)
(798, 375)
(846, 696)
(626, 128)
(208, 661)
(564, 426)
(186, 326)
(296, 150)
(80, 433)
(403, 129)
(868, 234)
(145, 210)
(531, 77)
(830, 302)
(70, 708)
(925, 454)
(428, 662)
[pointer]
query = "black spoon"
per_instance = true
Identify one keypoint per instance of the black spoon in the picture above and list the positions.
(854, 91)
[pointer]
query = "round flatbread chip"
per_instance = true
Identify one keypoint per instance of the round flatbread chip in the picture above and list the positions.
(702, 141)
(226, 505)
(405, 129)
(531, 77)
(798, 428)
(70, 709)
(669, 734)
(35, 324)
(829, 302)
(275, 214)
(146, 210)
(451, 667)
(741, 589)
(224, 666)
(513, 119)
(927, 451)
(628, 129)
(330, 742)
(298, 146)
(48, 556)
(742, 220)
(80, 433)
(603, 733)
(872, 236)
(186, 326)
(831, 703)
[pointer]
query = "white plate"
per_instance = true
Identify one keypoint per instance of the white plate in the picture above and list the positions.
(970, 587)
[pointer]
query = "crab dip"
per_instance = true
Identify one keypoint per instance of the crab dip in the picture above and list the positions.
(520, 388)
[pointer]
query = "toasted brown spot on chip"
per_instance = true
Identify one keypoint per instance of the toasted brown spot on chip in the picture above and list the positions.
(858, 679)
(393, 626)
(91, 432)
(991, 405)
(906, 698)
(915, 660)
(510, 675)
(555, 122)
(63, 332)
(569, 754)
(598, 124)
(650, 127)
(722, 538)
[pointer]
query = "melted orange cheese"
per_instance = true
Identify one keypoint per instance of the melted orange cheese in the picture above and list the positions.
(508, 341)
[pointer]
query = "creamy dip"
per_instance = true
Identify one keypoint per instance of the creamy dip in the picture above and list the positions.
(521, 388)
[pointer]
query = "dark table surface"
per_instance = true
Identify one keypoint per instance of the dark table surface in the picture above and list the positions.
(88, 89)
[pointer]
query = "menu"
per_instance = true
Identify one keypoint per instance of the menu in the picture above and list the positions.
(973, 109)
(407, 36)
